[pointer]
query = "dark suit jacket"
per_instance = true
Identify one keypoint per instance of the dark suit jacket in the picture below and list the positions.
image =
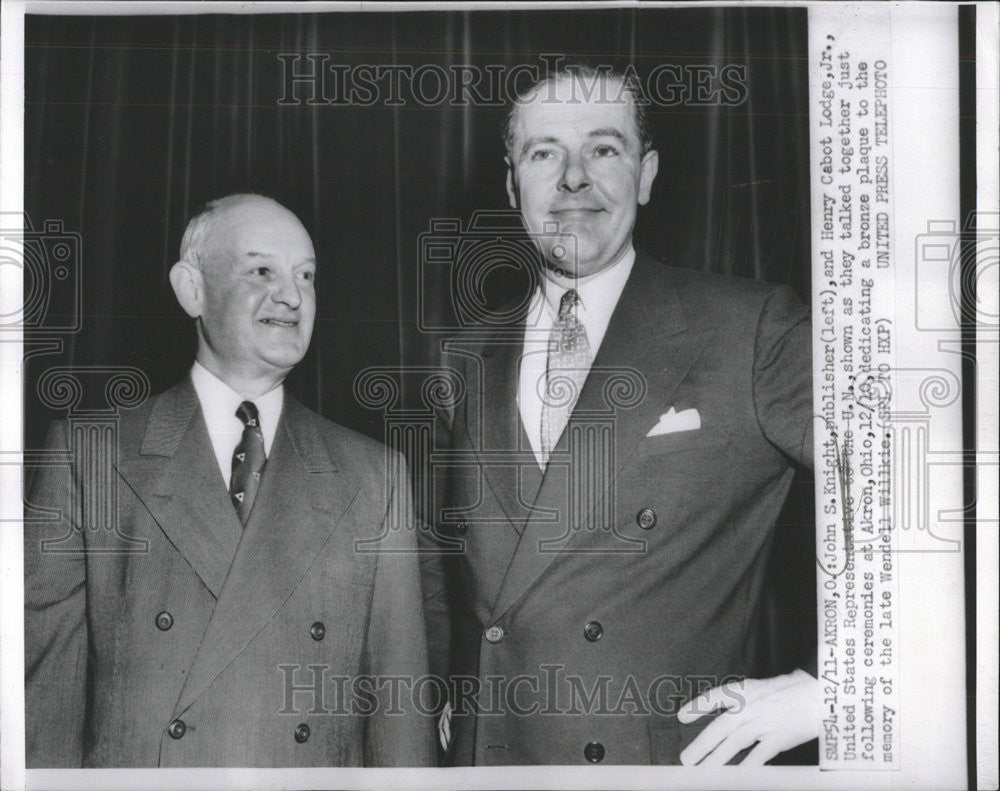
(626, 579)
(234, 632)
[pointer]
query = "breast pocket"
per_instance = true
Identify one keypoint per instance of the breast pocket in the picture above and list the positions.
(704, 438)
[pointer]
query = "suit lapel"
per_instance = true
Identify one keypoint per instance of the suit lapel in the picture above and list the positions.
(494, 414)
(303, 495)
(648, 341)
(177, 478)
(647, 344)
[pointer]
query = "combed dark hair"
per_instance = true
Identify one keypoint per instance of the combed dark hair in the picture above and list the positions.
(584, 71)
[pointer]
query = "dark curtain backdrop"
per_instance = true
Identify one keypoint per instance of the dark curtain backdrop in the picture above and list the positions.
(133, 122)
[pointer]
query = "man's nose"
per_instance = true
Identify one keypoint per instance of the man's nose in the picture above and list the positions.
(574, 175)
(285, 289)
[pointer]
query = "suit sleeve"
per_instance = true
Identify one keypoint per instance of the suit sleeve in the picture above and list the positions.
(398, 732)
(782, 375)
(437, 576)
(55, 617)
(783, 383)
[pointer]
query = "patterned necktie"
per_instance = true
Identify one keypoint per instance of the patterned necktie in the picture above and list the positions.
(566, 371)
(248, 461)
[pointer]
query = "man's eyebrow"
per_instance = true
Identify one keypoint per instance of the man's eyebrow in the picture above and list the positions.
(604, 131)
(534, 141)
(254, 254)
(609, 131)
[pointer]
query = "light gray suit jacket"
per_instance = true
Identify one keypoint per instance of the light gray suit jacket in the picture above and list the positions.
(244, 635)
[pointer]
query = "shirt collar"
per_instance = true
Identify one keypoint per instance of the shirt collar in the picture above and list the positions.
(598, 292)
(219, 403)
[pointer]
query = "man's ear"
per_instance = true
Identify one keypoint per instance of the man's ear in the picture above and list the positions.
(647, 173)
(511, 184)
(189, 287)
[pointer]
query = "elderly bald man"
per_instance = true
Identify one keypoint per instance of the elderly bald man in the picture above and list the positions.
(259, 622)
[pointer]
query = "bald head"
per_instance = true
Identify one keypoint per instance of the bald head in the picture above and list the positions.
(218, 217)
(246, 275)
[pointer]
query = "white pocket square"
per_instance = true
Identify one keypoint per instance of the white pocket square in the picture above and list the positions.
(673, 421)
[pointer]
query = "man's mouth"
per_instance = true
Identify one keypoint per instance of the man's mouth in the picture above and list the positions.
(280, 322)
(576, 211)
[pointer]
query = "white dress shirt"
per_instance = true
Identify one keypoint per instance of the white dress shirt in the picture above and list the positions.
(219, 403)
(598, 294)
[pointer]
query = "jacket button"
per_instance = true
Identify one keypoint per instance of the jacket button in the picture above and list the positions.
(301, 733)
(317, 631)
(646, 518)
(176, 729)
(594, 752)
(462, 528)
(164, 621)
(593, 631)
(494, 634)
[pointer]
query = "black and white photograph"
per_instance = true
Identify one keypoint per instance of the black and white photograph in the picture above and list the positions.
(499, 395)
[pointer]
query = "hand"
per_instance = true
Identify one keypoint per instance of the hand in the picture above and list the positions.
(777, 713)
(444, 727)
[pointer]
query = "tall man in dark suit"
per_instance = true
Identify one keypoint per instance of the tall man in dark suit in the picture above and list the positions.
(238, 632)
(634, 438)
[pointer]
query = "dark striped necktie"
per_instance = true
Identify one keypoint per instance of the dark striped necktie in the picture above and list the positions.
(248, 461)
